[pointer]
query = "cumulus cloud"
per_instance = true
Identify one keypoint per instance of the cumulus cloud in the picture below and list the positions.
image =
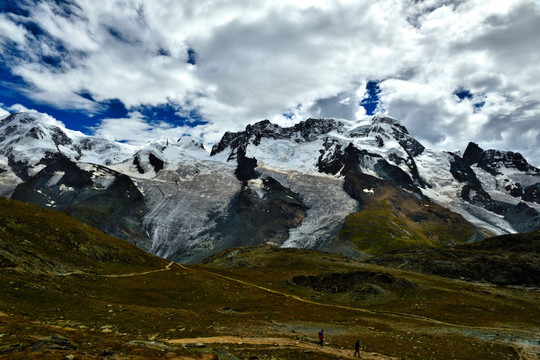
(236, 62)
(136, 129)
(491, 52)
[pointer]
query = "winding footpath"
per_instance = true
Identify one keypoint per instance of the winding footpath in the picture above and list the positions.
(78, 272)
(524, 352)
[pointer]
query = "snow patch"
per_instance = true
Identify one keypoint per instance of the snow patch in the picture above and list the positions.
(257, 186)
(64, 188)
(57, 176)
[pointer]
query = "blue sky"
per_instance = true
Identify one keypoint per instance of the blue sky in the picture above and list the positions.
(452, 71)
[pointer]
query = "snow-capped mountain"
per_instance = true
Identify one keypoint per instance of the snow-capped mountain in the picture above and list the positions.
(294, 187)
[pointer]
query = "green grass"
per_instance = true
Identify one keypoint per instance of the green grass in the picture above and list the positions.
(377, 230)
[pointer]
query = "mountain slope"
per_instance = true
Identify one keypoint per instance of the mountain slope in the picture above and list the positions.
(391, 218)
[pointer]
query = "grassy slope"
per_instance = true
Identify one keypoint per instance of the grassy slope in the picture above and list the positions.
(434, 318)
(39, 240)
(392, 218)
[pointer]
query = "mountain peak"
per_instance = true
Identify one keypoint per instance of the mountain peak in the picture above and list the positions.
(493, 161)
(385, 119)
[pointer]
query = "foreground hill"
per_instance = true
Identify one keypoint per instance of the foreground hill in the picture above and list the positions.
(68, 290)
(37, 241)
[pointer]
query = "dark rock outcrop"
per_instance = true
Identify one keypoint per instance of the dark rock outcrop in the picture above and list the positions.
(532, 193)
(361, 285)
(493, 160)
(523, 218)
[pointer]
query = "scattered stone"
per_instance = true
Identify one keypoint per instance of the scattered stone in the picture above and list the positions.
(69, 357)
(223, 355)
(106, 331)
(156, 345)
(106, 352)
(200, 345)
(55, 342)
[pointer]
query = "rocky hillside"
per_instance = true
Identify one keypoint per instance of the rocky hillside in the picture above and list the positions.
(393, 218)
(292, 186)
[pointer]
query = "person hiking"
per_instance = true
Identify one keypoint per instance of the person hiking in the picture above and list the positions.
(357, 348)
(321, 338)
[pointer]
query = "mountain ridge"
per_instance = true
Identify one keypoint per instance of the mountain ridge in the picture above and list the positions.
(194, 203)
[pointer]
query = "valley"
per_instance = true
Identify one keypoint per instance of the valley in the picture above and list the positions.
(260, 301)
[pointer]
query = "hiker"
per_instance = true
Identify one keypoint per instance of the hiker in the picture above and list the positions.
(321, 337)
(357, 347)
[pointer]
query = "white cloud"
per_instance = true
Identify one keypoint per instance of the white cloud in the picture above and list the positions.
(19, 108)
(10, 31)
(488, 48)
(136, 129)
(257, 60)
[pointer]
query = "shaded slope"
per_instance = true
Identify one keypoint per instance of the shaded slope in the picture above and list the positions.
(40, 241)
(94, 194)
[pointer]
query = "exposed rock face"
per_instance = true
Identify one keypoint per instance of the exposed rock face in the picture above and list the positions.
(305, 131)
(268, 210)
(493, 161)
(531, 193)
(523, 217)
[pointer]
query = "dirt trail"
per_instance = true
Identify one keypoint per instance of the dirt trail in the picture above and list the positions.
(527, 352)
(277, 342)
(79, 272)
(373, 312)
(166, 268)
